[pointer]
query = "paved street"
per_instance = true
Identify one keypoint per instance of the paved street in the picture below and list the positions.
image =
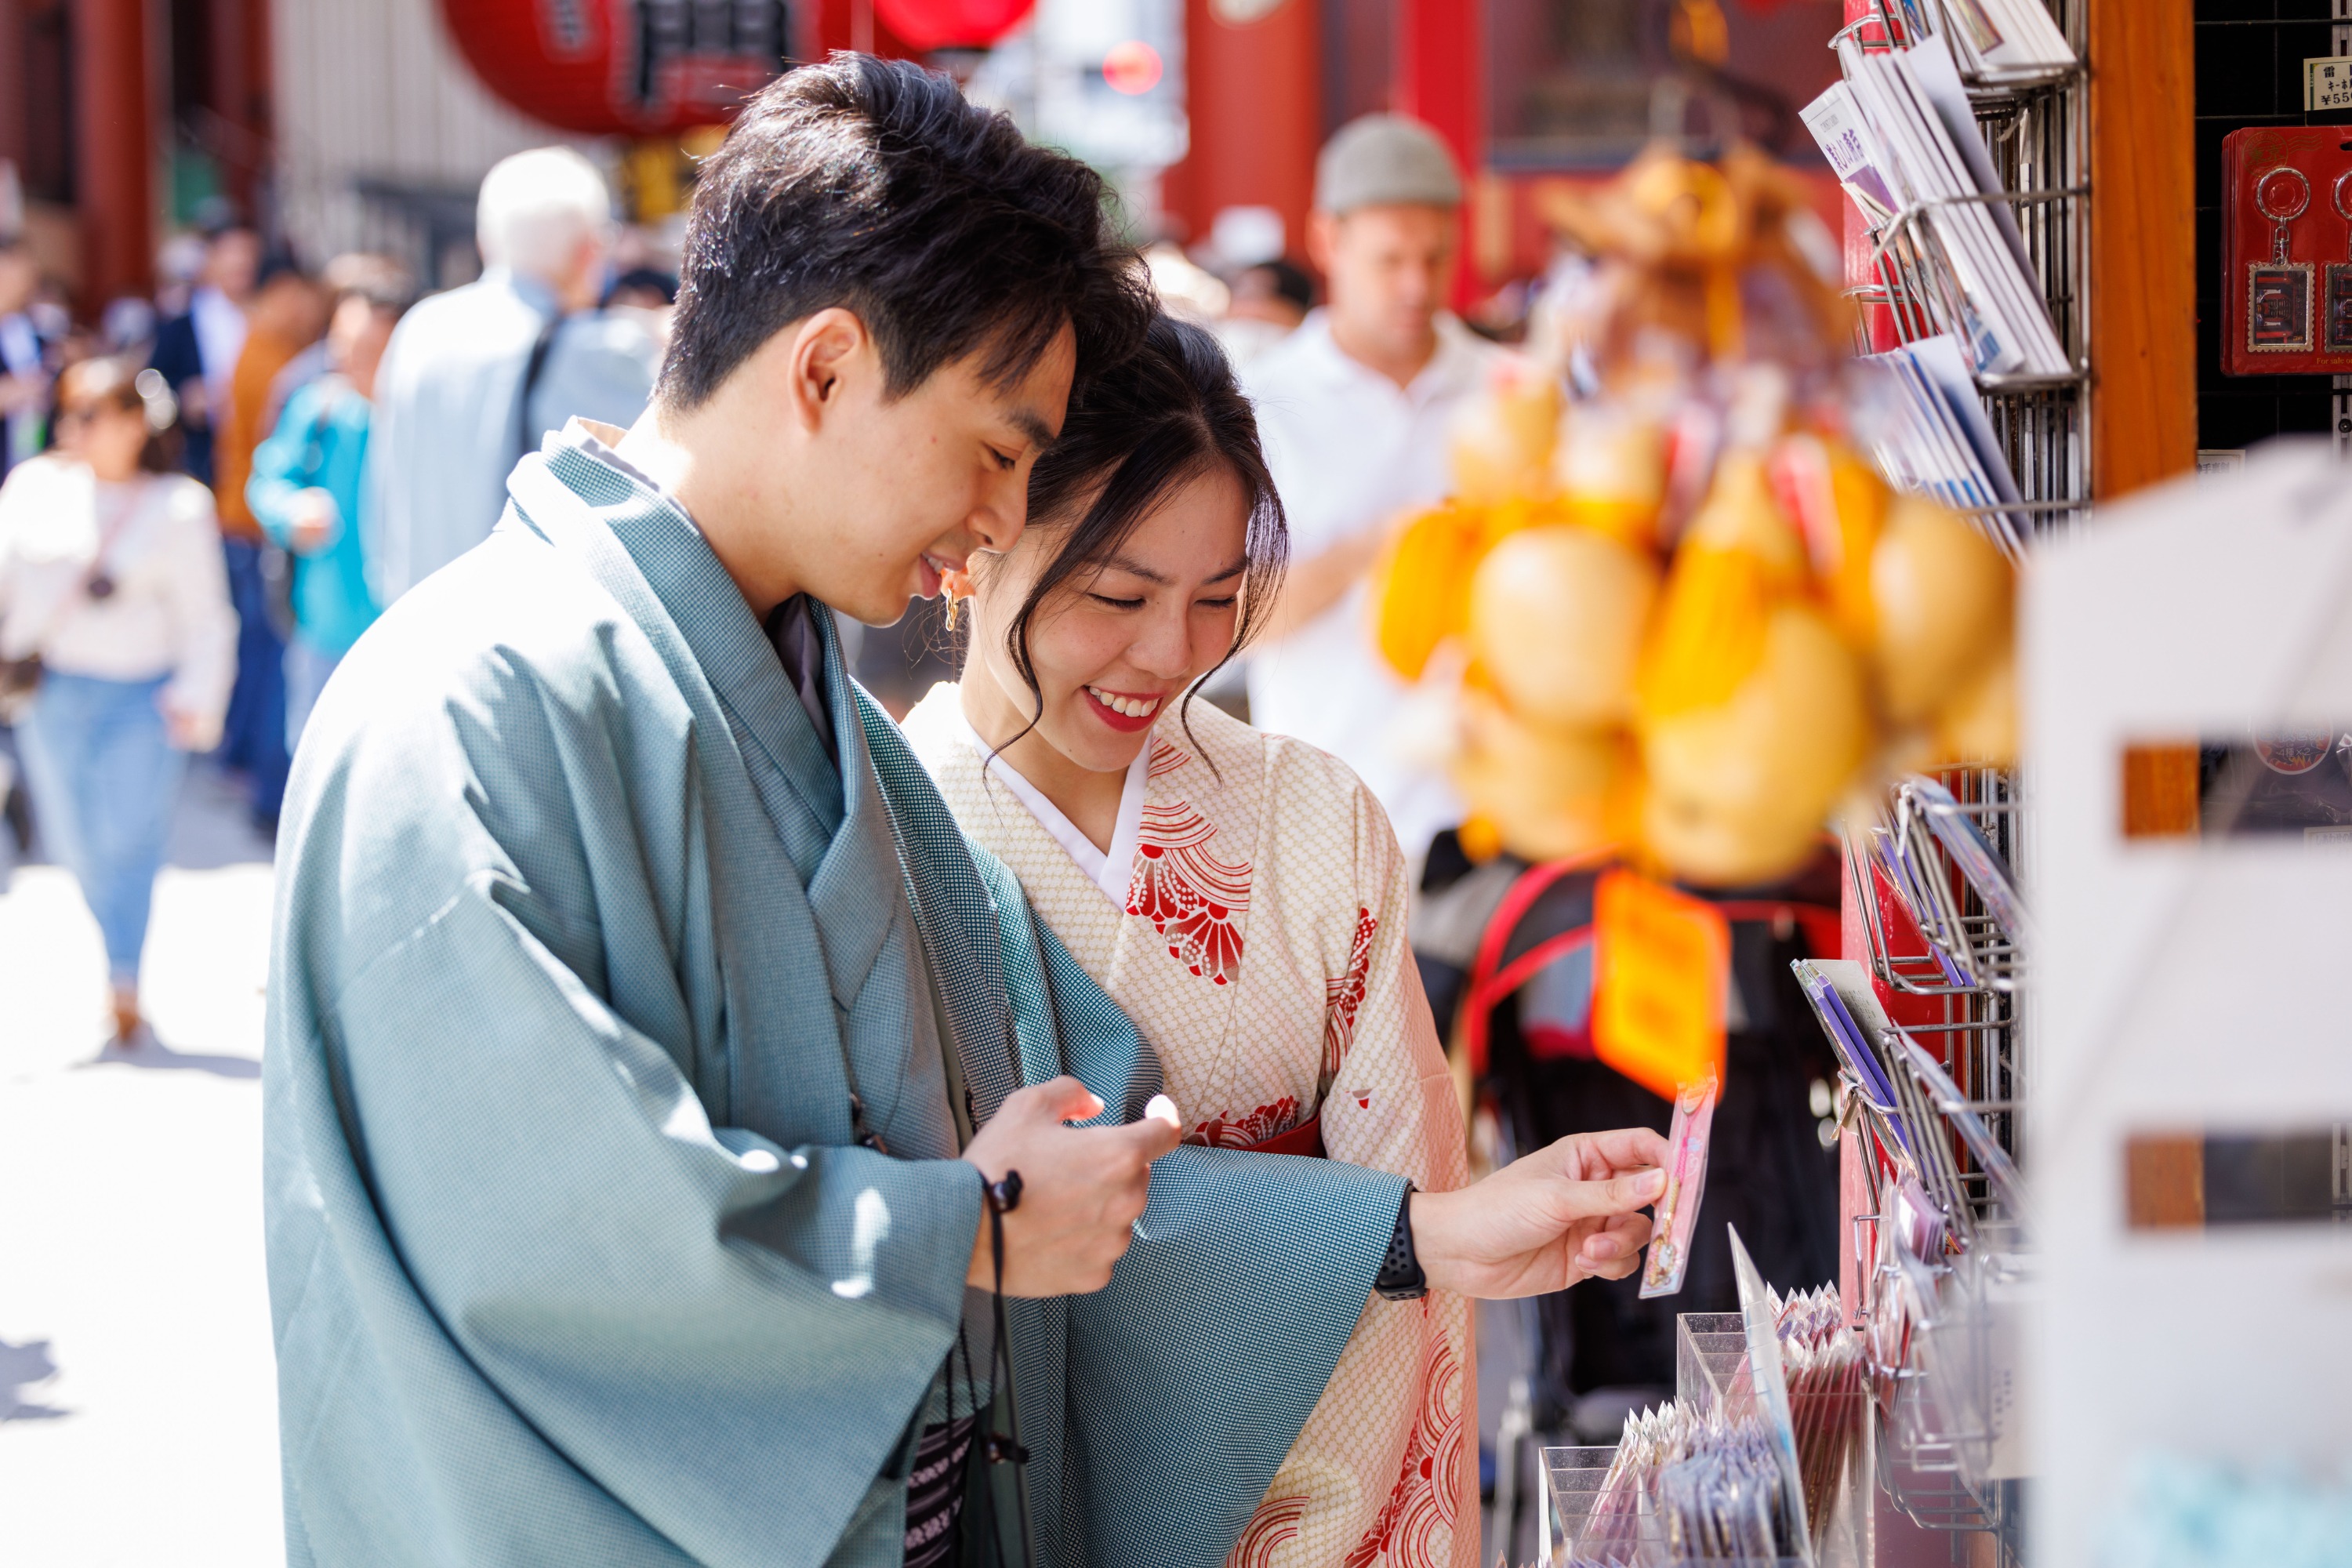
(137, 1405)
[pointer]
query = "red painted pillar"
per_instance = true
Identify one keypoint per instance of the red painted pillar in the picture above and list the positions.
(239, 93)
(1441, 81)
(1253, 95)
(115, 168)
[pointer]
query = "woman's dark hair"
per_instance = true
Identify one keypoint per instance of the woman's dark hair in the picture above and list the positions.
(120, 382)
(1166, 415)
(873, 185)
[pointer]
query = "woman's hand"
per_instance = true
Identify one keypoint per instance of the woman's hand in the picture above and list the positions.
(313, 521)
(1544, 1222)
(183, 727)
(1082, 1188)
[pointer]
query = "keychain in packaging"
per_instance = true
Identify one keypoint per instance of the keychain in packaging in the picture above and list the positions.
(1677, 1206)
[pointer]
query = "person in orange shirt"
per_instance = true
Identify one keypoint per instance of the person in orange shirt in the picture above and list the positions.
(287, 313)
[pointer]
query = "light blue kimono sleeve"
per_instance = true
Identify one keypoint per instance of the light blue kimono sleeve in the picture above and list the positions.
(532, 1306)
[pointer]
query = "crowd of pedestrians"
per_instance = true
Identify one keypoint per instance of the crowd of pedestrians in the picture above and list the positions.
(210, 496)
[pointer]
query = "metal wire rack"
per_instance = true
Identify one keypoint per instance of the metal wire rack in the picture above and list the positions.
(2037, 127)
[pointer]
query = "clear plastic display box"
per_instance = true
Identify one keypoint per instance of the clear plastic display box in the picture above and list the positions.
(1710, 1358)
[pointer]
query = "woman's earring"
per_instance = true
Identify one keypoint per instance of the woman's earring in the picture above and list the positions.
(955, 587)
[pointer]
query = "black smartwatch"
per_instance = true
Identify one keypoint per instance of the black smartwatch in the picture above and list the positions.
(1401, 1279)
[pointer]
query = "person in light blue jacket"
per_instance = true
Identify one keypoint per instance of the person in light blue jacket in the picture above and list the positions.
(309, 493)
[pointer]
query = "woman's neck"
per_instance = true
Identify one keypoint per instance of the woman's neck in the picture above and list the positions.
(1089, 799)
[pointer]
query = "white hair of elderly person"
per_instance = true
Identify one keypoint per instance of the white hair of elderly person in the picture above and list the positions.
(478, 375)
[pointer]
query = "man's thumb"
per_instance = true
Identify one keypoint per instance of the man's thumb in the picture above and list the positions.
(1159, 1128)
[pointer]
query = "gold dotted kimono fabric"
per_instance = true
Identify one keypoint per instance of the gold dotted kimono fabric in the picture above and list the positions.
(1261, 951)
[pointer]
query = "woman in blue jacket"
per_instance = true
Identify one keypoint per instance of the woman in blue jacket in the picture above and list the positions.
(306, 487)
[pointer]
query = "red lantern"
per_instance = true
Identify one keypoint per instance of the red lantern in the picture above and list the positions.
(950, 23)
(632, 67)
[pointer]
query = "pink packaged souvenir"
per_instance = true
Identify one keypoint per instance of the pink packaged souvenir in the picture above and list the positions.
(1676, 1213)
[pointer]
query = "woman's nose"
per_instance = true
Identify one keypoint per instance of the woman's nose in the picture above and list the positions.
(1165, 649)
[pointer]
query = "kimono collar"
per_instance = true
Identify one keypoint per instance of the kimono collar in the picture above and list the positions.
(829, 816)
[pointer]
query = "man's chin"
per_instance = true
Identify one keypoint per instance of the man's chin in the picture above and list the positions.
(884, 607)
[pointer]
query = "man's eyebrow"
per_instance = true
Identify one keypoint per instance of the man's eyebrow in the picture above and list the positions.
(1032, 424)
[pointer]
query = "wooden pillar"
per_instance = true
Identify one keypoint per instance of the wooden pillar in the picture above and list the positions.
(2143, 244)
(115, 161)
(239, 92)
(1253, 96)
(1441, 79)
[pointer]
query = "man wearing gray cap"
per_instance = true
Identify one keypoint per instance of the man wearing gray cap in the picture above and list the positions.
(1353, 407)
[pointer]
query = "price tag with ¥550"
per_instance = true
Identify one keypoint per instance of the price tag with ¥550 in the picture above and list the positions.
(2327, 83)
(1661, 962)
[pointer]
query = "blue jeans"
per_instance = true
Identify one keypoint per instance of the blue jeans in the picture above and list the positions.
(103, 778)
(252, 736)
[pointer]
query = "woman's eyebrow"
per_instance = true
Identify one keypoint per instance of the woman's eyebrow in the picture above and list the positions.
(1159, 579)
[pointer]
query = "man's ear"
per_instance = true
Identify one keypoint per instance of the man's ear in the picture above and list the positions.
(1322, 240)
(830, 351)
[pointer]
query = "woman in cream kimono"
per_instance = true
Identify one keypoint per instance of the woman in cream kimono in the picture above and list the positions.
(1240, 895)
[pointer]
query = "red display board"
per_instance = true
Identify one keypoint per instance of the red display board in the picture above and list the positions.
(632, 67)
(2286, 250)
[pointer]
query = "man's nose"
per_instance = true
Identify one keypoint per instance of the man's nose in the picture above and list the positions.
(998, 521)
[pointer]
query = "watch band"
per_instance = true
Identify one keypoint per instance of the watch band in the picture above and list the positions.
(1401, 1279)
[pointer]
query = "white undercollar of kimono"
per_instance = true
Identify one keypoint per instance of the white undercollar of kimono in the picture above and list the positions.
(1110, 871)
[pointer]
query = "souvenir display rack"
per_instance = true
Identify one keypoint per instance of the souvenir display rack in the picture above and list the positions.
(2037, 128)
(1967, 1066)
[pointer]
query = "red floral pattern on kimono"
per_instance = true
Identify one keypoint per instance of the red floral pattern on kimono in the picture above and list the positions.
(1344, 996)
(1415, 1527)
(1259, 1125)
(1275, 1523)
(1190, 896)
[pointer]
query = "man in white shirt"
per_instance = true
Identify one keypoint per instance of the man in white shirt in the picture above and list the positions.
(475, 377)
(1353, 407)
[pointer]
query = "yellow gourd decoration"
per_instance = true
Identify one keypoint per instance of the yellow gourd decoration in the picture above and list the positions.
(1420, 586)
(1687, 619)
(1557, 619)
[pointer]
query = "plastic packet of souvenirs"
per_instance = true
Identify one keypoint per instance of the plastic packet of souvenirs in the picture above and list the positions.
(1677, 1206)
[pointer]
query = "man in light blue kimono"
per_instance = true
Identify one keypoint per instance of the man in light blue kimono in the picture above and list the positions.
(662, 1100)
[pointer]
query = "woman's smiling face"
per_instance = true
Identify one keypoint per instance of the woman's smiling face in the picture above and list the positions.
(1119, 641)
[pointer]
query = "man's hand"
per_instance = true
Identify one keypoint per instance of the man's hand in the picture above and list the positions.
(1082, 1188)
(1542, 1222)
(313, 521)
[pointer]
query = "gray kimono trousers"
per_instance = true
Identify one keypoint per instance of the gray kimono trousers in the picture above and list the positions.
(580, 938)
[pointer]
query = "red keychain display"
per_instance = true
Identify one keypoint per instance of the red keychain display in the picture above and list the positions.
(2286, 287)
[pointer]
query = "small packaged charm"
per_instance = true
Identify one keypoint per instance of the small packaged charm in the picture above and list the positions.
(1677, 1207)
(2278, 290)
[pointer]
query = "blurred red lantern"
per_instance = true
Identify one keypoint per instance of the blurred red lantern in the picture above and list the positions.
(950, 23)
(1131, 67)
(635, 68)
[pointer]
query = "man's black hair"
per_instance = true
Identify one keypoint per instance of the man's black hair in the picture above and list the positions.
(873, 185)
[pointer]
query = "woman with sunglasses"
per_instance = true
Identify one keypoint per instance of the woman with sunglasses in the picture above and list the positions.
(114, 612)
